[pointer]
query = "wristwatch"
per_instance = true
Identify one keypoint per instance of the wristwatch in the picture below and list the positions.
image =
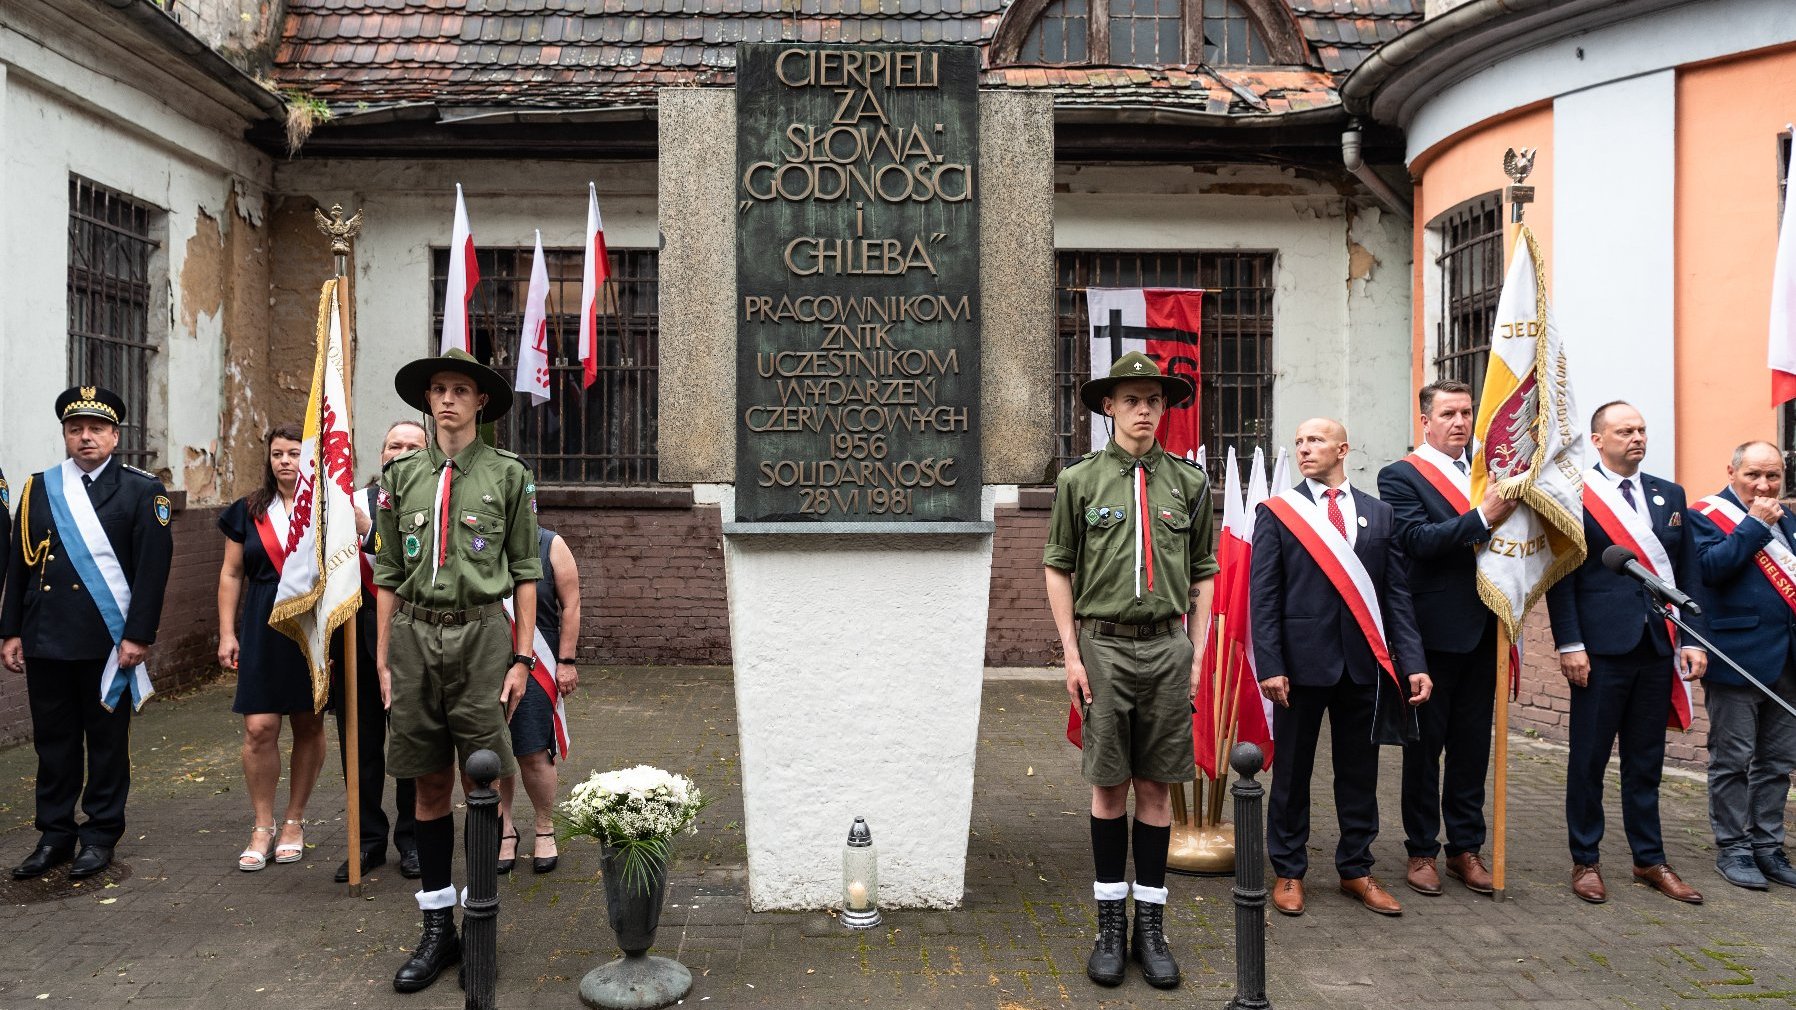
(567, 659)
(528, 661)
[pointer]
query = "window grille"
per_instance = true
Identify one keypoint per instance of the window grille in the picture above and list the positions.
(1145, 32)
(1236, 340)
(601, 435)
(1230, 36)
(1471, 279)
(1060, 35)
(111, 246)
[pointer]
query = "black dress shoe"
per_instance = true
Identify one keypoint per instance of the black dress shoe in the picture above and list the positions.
(505, 865)
(91, 860)
(41, 861)
(370, 860)
(408, 864)
(437, 949)
(544, 864)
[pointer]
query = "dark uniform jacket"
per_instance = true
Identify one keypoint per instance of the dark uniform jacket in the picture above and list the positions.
(47, 605)
(1607, 612)
(1442, 547)
(1746, 617)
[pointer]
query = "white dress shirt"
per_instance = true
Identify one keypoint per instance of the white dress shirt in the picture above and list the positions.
(1348, 512)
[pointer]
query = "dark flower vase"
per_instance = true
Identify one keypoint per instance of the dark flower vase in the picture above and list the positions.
(635, 981)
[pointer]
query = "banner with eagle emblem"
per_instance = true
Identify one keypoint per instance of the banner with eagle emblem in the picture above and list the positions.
(1530, 442)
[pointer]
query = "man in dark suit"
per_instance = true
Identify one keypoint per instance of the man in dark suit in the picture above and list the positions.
(1316, 657)
(1746, 583)
(1622, 662)
(84, 587)
(1440, 532)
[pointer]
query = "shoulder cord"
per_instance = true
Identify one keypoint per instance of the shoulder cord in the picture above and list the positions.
(35, 554)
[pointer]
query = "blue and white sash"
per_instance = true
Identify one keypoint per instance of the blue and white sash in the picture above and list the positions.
(90, 550)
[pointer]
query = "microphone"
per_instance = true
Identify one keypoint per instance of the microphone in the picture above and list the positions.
(1622, 561)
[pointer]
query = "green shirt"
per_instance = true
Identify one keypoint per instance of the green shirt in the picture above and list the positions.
(1093, 526)
(492, 528)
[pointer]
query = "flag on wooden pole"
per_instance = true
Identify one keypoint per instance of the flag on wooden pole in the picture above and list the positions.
(594, 270)
(533, 338)
(464, 273)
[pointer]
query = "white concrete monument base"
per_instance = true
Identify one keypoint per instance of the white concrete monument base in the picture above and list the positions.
(858, 664)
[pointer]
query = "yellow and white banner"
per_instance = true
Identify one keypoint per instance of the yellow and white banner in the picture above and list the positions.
(1530, 442)
(321, 583)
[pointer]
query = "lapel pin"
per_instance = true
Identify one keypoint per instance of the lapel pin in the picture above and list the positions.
(1362, 522)
(1658, 499)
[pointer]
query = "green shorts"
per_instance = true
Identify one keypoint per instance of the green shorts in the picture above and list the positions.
(1138, 724)
(446, 684)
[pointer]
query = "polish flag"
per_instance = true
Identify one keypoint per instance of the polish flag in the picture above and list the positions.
(1165, 324)
(593, 272)
(464, 273)
(1783, 308)
(533, 339)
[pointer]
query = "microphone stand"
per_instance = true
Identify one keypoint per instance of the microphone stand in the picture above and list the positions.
(1661, 607)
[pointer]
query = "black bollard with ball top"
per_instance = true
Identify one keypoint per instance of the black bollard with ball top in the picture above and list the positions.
(1250, 881)
(480, 918)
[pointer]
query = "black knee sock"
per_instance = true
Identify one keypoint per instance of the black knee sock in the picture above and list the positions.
(1110, 848)
(436, 851)
(1151, 843)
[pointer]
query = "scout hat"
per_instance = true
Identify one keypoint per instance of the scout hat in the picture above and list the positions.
(1131, 366)
(415, 376)
(90, 401)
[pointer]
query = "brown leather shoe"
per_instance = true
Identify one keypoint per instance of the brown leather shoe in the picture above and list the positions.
(1587, 883)
(1668, 883)
(1287, 895)
(1372, 895)
(1422, 877)
(1468, 869)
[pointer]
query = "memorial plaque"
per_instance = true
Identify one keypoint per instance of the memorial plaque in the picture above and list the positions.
(857, 300)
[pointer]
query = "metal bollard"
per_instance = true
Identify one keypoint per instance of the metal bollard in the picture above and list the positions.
(480, 917)
(1250, 881)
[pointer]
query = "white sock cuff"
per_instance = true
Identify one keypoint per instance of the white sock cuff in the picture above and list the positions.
(464, 897)
(430, 901)
(1151, 895)
(1113, 891)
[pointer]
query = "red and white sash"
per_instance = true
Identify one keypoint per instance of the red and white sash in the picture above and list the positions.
(1775, 561)
(1628, 528)
(1449, 485)
(271, 529)
(544, 675)
(1345, 571)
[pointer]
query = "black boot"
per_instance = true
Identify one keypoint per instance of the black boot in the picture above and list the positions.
(1151, 952)
(437, 949)
(1110, 954)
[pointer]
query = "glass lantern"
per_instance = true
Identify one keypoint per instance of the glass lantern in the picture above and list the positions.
(860, 878)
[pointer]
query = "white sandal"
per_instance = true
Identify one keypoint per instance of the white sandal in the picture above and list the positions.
(252, 860)
(292, 852)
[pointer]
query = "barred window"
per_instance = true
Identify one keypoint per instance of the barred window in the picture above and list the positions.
(1060, 35)
(1471, 279)
(111, 247)
(601, 435)
(1236, 379)
(1231, 38)
(1145, 32)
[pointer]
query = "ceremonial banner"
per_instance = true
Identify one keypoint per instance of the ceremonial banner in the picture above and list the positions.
(533, 338)
(321, 584)
(464, 273)
(594, 269)
(1164, 324)
(1530, 441)
(1783, 308)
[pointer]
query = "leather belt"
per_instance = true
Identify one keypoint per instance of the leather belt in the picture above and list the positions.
(447, 618)
(1114, 630)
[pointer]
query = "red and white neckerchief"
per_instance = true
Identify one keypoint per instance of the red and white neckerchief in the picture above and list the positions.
(443, 510)
(1144, 537)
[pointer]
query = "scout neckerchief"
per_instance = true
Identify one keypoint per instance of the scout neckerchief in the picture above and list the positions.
(271, 528)
(1345, 571)
(441, 513)
(92, 554)
(1628, 528)
(1455, 487)
(544, 675)
(1144, 542)
(1775, 562)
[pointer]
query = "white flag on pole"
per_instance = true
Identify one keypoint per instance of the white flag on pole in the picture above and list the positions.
(533, 338)
(464, 273)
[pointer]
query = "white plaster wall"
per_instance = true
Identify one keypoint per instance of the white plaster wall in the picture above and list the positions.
(408, 207)
(1340, 346)
(1683, 33)
(63, 114)
(1614, 162)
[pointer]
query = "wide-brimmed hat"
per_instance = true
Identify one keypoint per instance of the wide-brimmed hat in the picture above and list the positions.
(414, 377)
(90, 401)
(1128, 368)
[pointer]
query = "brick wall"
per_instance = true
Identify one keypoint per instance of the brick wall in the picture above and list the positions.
(1020, 628)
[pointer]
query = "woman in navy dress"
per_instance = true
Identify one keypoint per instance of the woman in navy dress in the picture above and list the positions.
(273, 679)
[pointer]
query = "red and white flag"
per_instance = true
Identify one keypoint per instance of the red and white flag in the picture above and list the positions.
(1783, 308)
(593, 272)
(464, 273)
(1164, 324)
(533, 339)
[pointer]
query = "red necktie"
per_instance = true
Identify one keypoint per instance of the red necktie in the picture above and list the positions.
(1333, 495)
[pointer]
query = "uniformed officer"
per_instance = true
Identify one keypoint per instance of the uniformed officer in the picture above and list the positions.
(455, 528)
(83, 600)
(1130, 562)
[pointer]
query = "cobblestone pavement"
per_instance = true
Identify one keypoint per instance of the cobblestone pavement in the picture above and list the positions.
(183, 928)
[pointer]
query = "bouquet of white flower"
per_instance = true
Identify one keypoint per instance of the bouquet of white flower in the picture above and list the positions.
(636, 811)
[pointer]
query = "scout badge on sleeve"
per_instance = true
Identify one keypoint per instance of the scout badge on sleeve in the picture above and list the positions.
(162, 509)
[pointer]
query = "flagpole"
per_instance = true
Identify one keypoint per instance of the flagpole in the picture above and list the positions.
(1499, 863)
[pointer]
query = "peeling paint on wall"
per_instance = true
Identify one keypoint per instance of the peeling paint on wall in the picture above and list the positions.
(202, 272)
(200, 470)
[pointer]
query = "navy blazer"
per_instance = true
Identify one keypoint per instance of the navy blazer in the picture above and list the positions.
(1442, 548)
(1746, 617)
(1302, 628)
(1607, 611)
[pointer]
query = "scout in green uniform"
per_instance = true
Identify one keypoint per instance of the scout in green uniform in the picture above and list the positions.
(455, 533)
(1131, 552)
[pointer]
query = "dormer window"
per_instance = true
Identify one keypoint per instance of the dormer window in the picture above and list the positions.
(1149, 33)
